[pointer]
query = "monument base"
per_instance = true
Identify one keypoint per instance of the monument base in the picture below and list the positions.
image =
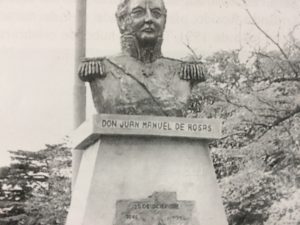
(146, 181)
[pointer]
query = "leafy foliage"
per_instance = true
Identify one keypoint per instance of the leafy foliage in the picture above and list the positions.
(285, 211)
(258, 160)
(35, 189)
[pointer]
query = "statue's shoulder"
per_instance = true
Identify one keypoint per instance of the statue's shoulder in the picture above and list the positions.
(187, 70)
(98, 67)
(92, 68)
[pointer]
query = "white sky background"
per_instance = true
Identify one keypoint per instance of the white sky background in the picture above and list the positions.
(37, 53)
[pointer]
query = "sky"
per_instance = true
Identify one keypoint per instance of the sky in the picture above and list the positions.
(37, 53)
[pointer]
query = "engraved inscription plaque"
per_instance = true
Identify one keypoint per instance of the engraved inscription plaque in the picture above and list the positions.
(161, 208)
(133, 125)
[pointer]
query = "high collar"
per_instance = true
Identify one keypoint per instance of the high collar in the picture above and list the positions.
(130, 47)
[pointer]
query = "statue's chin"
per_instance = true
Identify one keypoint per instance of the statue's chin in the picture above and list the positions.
(147, 41)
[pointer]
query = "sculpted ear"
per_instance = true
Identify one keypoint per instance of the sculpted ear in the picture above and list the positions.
(121, 23)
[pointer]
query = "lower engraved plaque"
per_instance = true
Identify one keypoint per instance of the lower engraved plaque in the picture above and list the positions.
(161, 208)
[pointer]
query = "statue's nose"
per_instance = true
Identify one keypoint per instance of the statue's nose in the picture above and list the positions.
(148, 16)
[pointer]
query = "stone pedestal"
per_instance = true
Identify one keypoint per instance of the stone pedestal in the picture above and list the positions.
(132, 176)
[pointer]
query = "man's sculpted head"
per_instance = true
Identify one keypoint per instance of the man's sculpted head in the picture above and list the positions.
(144, 19)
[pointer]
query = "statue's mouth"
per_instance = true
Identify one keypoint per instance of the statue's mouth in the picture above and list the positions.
(148, 29)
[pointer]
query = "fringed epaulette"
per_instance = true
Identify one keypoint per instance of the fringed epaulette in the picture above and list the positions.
(91, 68)
(192, 71)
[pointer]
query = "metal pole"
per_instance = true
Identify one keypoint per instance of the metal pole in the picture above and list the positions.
(79, 91)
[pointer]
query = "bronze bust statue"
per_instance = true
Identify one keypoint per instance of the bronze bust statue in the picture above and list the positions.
(140, 81)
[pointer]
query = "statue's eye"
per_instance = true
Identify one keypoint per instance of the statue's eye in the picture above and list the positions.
(138, 12)
(156, 13)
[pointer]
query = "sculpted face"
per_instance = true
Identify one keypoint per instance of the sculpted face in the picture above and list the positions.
(145, 19)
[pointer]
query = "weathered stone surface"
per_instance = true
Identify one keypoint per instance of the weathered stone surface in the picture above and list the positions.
(162, 208)
(130, 167)
(134, 88)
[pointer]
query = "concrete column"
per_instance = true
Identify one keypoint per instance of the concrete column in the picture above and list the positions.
(79, 91)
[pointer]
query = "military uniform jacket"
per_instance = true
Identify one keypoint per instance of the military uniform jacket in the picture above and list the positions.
(125, 85)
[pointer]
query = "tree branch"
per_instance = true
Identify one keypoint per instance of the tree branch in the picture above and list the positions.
(286, 79)
(236, 104)
(280, 120)
(272, 107)
(270, 38)
(233, 134)
(196, 58)
(291, 34)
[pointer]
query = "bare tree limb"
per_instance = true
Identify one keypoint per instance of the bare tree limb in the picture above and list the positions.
(233, 134)
(226, 98)
(272, 107)
(280, 120)
(270, 38)
(292, 138)
(268, 115)
(274, 59)
(194, 54)
(291, 34)
(262, 125)
(280, 80)
(266, 56)
(287, 79)
(288, 116)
